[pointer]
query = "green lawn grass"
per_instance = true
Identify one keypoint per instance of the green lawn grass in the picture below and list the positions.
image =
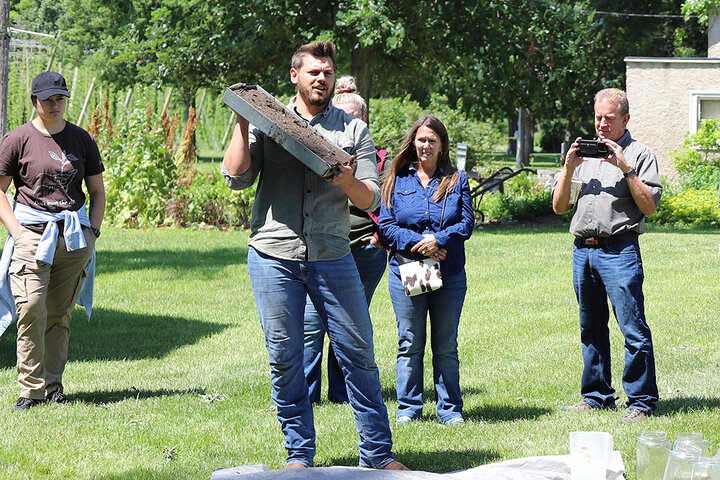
(542, 161)
(169, 380)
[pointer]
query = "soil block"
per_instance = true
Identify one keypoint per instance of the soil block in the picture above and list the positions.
(288, 129)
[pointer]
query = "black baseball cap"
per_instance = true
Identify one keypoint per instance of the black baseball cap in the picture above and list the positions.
(47, 84)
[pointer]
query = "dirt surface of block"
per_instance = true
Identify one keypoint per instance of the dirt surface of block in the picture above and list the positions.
(278, 114)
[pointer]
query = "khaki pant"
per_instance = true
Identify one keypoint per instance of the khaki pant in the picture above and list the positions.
(44, 299)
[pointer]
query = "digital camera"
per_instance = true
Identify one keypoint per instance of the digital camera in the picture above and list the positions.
(593, 149)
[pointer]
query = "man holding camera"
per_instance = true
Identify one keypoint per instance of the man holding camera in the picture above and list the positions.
(299, 247)
(614, 192)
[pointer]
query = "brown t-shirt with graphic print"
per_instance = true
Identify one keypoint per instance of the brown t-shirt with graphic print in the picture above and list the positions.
(48, 170)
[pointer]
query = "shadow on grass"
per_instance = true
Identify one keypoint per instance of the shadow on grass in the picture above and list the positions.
(146, 474)
(186, 262)
(115, 396)
(681, 404)
(114, 335)
(505, 413)
(389, 394)
(438, 461)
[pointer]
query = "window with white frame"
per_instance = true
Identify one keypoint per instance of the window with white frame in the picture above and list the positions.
(704, 105)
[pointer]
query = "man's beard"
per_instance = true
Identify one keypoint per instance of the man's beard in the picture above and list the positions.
(312, 98)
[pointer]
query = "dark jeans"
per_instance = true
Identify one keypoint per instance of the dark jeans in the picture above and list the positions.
(444, 307)
(280, 288)
(614, 272)
(370, 262)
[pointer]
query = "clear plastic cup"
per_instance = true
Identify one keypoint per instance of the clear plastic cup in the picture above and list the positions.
(653, 450)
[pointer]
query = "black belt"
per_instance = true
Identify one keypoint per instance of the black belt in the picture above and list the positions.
(597, 242)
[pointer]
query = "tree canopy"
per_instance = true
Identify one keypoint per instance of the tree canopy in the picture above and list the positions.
(548, 56)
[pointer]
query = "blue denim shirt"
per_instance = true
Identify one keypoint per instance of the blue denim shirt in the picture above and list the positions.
(414, 213)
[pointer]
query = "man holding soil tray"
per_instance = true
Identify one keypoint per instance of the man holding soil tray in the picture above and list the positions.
(299, 247)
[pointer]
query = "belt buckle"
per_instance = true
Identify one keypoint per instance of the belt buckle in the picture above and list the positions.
(592, 242)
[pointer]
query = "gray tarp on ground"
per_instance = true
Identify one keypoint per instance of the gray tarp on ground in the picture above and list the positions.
(531, 468)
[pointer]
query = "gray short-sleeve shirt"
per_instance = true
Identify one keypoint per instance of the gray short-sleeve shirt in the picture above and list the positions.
(605, 206)
(298, 215)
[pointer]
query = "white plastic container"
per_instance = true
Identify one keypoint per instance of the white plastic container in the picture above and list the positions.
(589, 455)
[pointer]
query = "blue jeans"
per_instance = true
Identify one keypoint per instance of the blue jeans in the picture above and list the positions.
(614, 272)
(444, 306)
(370, 262)
(280, 288)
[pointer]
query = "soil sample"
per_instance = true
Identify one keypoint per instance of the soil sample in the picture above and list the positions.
(290, 131)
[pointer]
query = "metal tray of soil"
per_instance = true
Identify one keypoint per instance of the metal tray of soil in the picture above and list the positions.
(290, 131)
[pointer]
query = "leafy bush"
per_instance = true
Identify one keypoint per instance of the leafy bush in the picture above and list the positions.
(524, 198)
(150, 180)
(140, 171)
(698, 163)
(391, 118)
(208, 201)
(693, 207)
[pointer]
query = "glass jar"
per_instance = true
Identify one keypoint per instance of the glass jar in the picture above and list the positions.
(653, 449)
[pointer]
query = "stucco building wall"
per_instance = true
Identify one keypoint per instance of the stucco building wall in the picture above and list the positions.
(659, 92)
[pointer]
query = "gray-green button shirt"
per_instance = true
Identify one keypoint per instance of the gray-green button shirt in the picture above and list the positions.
(297, 215)
(605, 206)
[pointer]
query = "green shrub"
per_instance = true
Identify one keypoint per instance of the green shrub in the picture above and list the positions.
(693, 207)
(523, 198)
(698, 163)
(391, 118)
(695, 171)
(140, 173)
(208, 201)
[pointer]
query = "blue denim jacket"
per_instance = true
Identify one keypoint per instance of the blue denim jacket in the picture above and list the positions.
(414, 213)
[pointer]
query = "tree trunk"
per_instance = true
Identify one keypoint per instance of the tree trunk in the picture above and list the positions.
(529, 136)
(522, 156)
(4, 63)
(567, 141)
(512, 136)
(360, 69)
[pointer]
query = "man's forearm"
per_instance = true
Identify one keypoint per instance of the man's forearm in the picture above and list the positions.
(642, 195)
(360, 193)
(237, 156)
(561, 194)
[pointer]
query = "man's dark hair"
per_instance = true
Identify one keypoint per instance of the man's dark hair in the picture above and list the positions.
(320, 49)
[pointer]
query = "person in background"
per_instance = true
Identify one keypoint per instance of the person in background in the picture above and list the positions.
(615, 195)
(426, 210)
(299, 247)
(367, 251)
(52, 236)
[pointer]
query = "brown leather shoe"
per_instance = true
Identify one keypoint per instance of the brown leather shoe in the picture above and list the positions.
(394, 465)
(578, 407)
(635, 415)
(295, 465)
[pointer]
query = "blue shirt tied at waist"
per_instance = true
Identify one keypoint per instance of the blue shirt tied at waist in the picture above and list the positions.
(74, 240)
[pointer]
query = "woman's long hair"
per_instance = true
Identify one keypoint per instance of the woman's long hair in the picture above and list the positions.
(407, 155)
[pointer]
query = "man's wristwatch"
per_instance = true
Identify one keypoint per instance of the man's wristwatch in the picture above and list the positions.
(630, 173)
(96, 232)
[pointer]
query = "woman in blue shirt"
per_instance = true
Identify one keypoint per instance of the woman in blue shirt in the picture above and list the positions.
(422, 190)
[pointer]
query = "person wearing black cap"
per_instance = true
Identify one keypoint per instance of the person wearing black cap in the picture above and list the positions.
(49, 251)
